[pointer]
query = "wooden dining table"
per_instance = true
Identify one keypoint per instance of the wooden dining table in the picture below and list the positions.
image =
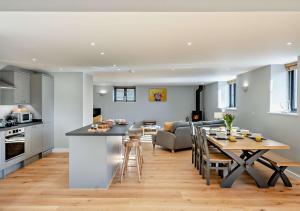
(251, 151)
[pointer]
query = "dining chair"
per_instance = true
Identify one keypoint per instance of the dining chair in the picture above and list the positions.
(198, 150)
(212, 160)
(194, 147)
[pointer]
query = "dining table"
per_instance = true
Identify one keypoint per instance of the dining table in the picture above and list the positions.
(250, 151)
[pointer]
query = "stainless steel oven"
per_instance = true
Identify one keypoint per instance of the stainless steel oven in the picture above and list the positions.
(14, 143)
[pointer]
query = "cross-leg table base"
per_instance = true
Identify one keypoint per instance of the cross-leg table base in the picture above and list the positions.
(244, 164)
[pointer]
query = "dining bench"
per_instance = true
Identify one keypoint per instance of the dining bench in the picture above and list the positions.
(279, 164)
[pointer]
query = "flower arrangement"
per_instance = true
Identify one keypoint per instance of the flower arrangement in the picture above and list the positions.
(228, 118)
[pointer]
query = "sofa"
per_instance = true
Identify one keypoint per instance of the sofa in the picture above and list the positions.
(179, 137)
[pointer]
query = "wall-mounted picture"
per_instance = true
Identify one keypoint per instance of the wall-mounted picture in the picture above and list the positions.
(158, 95)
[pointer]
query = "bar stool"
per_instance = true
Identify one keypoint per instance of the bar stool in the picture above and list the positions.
(133, 142)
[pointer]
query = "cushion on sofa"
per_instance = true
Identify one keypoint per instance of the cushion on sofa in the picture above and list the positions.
(179, 124)
(197, 124)
(213, 122)
(168, 126)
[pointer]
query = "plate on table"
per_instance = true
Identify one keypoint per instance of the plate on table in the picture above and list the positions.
(248, 134)
(252, 137)
(122, 123)
(221, 138)
(238, 136)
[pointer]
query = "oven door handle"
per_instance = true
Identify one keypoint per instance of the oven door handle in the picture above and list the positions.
(15, 141)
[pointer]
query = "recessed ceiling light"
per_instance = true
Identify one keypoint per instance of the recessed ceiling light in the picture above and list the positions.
(93, 44)
(102, 53)
(189, 43)
(289, 43)
(34, 59)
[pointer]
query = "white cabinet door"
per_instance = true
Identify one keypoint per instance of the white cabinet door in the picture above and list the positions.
(47, 136)
(34, 139)
(28, 152)
(47, 98)
(26, 88)
(2, 150)
(22, 84)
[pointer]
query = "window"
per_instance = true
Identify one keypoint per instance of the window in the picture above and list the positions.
(292, 90)
(124, 94)
(232, 95)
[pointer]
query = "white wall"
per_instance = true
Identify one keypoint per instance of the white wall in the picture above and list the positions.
(179, 105)
(71, 104)
(253, 112)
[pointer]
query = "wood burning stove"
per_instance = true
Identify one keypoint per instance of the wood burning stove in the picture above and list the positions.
(197, 115)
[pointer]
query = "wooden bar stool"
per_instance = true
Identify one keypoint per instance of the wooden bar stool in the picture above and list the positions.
(134, 143)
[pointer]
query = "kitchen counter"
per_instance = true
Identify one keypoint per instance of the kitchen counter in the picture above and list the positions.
(116, 130)
(94, 157)
(34, 122)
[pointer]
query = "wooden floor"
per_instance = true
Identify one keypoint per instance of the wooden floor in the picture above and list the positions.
(170, 182)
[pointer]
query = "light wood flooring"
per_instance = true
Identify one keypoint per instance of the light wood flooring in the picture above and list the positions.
(169, 182)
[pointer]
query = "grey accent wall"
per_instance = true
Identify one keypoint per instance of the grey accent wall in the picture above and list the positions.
(253, 112)
(210, 100)
(180, 103)
(71, 101)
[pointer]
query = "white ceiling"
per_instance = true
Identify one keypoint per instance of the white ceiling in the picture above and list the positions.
(153, 5)
(152, 44)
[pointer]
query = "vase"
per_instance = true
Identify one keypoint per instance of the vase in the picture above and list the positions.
(228, 127)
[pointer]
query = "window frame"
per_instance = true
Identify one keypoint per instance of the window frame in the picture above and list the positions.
(232, 95)
(292, 90)
(125, 88)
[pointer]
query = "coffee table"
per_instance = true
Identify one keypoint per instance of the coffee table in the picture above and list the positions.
(150, 129)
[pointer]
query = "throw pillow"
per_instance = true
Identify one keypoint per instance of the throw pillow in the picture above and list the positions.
(168, 126)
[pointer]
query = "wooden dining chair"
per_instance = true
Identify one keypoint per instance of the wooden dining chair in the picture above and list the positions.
(212, 160)
(198, 155)
(194, 147)
(198, 150)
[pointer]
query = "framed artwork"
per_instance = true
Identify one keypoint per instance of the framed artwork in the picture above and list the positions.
(158, 95)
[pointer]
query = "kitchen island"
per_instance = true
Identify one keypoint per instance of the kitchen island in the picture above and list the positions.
(94, 157)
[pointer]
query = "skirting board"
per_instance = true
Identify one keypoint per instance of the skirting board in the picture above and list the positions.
(58, 150)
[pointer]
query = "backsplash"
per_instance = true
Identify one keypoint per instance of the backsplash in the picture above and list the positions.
(6, 109)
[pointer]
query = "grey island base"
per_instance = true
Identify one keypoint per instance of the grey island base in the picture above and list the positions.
(94, 157)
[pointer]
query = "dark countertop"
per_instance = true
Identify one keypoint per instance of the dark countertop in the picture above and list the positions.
(34, 122)
(116, 130)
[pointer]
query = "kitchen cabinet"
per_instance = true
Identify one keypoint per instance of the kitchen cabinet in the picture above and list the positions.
(48, 142)
(21, 93)
(34, 136)
(2, 150)
(47, 99)
(42, 100)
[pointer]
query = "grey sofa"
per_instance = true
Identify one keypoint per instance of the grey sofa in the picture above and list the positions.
(180, 136)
